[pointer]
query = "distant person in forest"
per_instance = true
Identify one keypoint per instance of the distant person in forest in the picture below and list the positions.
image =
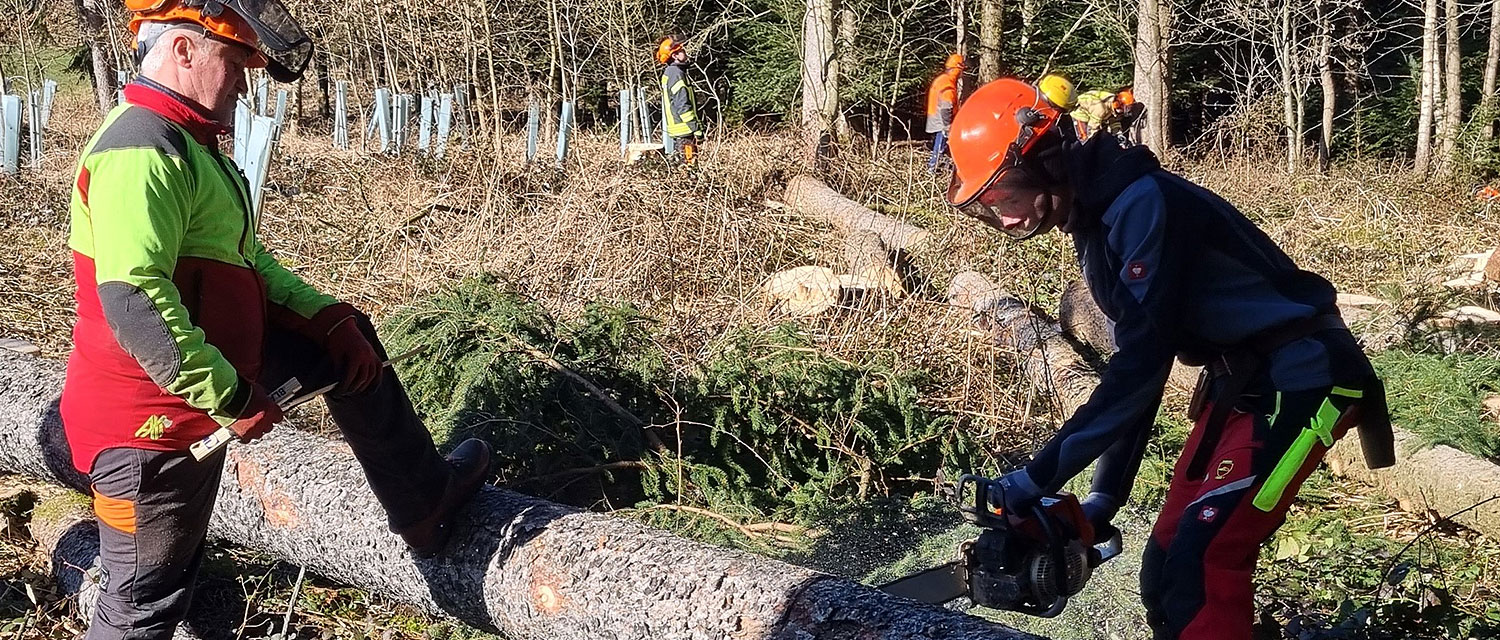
(1114, 112)
(1179, 272)
(185, 320)
(942, 100)
(678, 107)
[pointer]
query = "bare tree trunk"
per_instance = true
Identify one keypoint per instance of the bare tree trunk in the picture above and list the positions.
(1289, 106)
(1153, 70)
(518, 566)
(961, 26)
(1299, 123)
(848, 29)
(1028, 19)
(1330, 88)
(91, 13)
(817, 59)
(991, 23)
(1430, 74)
(1491, 66)
(1453, 111)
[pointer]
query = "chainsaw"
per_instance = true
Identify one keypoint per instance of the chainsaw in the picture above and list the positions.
(1025, 562)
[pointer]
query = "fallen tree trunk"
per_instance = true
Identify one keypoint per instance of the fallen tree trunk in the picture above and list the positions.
(1085, 322)
(1439, 479)
(519, 566)
(1048, 358)
(813, 198)
(64, 526)
(868, 257)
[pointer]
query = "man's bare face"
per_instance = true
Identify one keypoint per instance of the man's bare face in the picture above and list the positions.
(208, 70)
(222, 70)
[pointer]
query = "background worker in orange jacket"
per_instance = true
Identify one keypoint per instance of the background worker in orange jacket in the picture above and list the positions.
(942, 101)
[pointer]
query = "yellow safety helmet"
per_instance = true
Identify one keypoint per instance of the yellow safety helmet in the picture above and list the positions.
(1059, 91)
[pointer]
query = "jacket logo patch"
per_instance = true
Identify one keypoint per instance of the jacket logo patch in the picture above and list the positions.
(1225, 466)
(154, 428)
(1136, 270)
(1208, 514)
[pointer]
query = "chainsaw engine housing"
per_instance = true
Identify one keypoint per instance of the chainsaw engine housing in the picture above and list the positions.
(1015, 573)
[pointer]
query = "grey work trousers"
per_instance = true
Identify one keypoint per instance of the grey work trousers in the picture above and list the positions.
(150, 559)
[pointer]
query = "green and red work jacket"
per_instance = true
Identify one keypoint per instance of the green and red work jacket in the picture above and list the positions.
(174, 291)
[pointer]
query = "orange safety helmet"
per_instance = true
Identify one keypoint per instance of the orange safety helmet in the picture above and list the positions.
(278, 41)
(668, 47)
(993, 132)
(955, 61)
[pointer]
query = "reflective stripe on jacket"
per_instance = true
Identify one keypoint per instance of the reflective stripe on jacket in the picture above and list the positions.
(679, 108)
(172, 285)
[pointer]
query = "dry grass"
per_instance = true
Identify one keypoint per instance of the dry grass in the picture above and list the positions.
(691, 246)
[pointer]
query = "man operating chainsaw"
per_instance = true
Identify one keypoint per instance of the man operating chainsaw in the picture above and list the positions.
(185, 320)
(1182, 273)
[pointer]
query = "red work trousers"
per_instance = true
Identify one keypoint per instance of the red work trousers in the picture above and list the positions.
(1226, 500)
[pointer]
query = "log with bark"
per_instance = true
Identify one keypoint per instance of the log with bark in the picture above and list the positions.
(518, 566)
(1084, 321)
(815, 199)
(1047, 357)
(869, 258)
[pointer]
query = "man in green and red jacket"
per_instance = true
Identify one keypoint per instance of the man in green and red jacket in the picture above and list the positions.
(185, 319)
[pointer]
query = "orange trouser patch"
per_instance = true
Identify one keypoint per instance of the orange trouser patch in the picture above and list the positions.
(118, 513)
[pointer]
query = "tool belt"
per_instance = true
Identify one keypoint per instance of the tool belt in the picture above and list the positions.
(1227, 377)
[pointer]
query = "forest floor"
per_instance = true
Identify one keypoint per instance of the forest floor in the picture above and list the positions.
(689, 248)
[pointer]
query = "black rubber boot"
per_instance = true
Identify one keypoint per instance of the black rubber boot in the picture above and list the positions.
(471, 466)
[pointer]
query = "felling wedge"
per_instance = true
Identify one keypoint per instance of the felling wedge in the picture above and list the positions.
(518, 566)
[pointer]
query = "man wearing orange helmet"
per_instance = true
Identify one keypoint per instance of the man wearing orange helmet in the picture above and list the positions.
(185, 320)
(942, 99)
(1180, 272)
(678, 107)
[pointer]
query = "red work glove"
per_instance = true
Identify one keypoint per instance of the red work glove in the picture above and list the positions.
(336, 329)
(354, 356)
(258, 415)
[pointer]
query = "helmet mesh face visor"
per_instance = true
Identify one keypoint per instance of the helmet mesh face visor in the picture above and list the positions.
(282, 39)
(987, 208)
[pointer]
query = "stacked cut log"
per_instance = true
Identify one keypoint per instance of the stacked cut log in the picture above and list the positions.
(518, 566)
(876, 247)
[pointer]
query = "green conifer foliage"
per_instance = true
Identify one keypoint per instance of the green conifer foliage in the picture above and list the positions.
(764, 425)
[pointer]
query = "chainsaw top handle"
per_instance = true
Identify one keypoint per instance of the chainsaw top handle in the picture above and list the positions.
(979, 511)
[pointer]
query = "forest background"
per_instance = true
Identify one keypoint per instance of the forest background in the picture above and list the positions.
(1355, 133)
